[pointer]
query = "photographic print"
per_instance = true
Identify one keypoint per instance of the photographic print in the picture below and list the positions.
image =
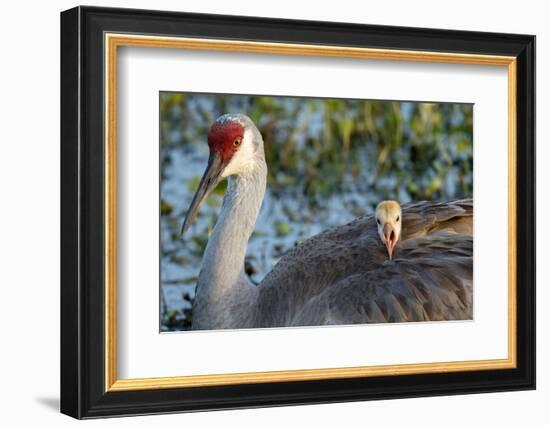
(288, 211)
(200, 212)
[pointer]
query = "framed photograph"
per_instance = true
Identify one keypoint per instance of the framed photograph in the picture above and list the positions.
(261, 212)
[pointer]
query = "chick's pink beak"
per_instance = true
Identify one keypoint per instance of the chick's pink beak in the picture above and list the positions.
(390, 238)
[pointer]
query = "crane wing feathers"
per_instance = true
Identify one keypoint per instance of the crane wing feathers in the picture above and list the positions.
(426, 217)
(343, 276)
(433, 285)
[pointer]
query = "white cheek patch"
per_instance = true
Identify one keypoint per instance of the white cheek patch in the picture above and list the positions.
(244, 158)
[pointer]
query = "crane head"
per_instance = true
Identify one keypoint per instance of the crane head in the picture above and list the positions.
(235, 146)
(388, 222)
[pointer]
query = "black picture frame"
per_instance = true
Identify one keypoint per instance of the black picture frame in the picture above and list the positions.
(83, 392)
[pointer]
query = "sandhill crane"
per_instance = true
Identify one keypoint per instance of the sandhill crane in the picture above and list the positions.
(341, 276)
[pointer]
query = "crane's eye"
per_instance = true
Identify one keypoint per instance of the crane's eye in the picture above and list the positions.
(378, 221)
(237, 142)
(397, 219)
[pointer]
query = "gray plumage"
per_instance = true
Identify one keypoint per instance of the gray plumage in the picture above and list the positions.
(341, 276)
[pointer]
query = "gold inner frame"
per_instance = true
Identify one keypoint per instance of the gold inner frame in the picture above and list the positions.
(113, 41)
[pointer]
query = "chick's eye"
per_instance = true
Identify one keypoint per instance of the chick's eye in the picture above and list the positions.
(397, 219)
(378, 220)
(237, 142)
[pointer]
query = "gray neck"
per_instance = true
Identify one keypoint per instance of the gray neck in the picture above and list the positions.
(225, 296)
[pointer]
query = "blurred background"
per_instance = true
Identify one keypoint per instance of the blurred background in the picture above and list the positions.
(329, 161)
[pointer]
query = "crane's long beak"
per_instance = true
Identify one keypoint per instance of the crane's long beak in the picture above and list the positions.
(209, 181)
(390, 238)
